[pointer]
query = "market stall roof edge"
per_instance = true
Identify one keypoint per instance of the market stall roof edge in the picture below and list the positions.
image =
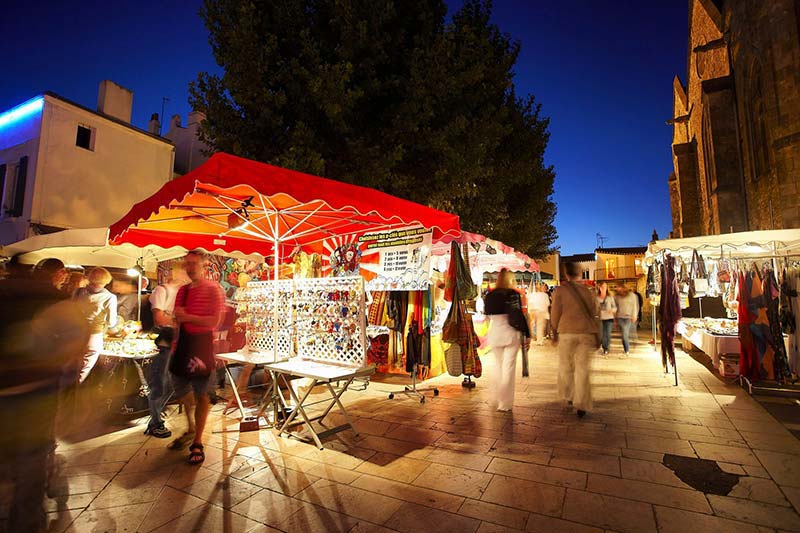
(236, 204)
(755, 244)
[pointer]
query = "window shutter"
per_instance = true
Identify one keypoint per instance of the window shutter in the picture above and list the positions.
(19, 189)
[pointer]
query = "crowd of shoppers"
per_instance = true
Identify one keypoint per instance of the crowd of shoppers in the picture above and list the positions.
(52, 325)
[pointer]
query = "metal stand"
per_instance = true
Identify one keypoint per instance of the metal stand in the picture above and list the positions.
(413, 390)
(468, 383)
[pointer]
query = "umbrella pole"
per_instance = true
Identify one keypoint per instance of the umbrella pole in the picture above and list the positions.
(275, 314)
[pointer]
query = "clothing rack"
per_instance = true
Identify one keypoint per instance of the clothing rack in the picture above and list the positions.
(413, 390)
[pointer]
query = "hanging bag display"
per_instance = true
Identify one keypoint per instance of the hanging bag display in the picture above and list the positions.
(698, 287)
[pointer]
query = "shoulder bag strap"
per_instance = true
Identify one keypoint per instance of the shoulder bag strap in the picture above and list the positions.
(582, 301)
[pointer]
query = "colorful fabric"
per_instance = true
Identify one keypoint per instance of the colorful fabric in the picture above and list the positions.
(669, 310)
(779, 368)
(748, 365)
(376, 308)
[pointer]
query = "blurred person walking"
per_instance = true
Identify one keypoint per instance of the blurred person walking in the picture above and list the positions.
(627, 311)
(508, 331)
(199, 308)
(99, 307)
(608, 310)
(574, 329)
(162, 305)
(539, 308)
(41, 333)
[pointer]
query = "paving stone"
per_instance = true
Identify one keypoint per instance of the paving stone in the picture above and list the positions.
(653, 444)
(471, 461)
(728, 454)
(410, 516)
(759, 489)
(410, 493)
(602, 464)
(454, 480)
(547, 524)
(268, 507)
(393, 467)
(497, 514)
(209, 519)
(650, 471)
(783, 468)
(120, 519)
(532, 472)
(678, 521)
(608, 512)
(755, 512)
(350, 501)
(169, 505)
(688, 499)
(525, 495)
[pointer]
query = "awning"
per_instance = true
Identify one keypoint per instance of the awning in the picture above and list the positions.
(232, 204)
(745, 244)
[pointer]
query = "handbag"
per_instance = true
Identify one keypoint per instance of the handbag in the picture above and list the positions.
(516, 318)
(593, 319)
(452, 360)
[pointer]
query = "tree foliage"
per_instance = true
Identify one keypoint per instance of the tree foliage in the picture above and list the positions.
(387, 94)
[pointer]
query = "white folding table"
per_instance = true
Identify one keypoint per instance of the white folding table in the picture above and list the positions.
(249, 359)
(318, 373)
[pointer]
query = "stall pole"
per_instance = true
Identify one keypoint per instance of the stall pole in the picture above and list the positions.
(655, 341)
(275, 293)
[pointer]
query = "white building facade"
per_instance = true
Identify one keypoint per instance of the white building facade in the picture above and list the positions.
(63, 165)
(190, 151)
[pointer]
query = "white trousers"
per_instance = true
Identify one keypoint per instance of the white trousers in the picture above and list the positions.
(574, 358)
(540, 321)
(505, 344)
(93, 349)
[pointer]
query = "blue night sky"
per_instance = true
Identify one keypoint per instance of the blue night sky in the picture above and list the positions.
(602, 71)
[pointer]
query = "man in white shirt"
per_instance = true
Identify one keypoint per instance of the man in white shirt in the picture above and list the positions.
(539, 311)
(162, 303)
(627, 312)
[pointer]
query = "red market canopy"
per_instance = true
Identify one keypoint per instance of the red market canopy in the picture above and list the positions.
(233, 204)
(489, 255)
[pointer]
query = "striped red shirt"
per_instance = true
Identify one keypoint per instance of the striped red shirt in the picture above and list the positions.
(204, 299)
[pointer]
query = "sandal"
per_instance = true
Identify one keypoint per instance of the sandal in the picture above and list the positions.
(196, 454)
(182, 441)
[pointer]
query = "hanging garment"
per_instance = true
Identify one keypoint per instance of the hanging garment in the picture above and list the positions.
(794, 338)
(375, 312)
(413, 347)
(780, 364)
(759, 327)
(748, 361)
(698, 277)
(653, 279)
(669, 310)
(396, 309)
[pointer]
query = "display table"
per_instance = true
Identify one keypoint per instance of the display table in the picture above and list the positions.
(319, 373)
(713, 345)
(251, 358)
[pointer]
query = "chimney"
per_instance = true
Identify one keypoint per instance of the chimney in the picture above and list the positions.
(154, 125)
(174, 122)
(196, 117)
(115, 101)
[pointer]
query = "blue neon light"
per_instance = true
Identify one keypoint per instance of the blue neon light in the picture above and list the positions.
(21, 112)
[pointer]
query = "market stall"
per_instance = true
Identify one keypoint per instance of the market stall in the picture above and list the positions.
(754, 276)
(231, 204)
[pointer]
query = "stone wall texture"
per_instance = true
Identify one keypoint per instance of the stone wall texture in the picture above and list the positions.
(736, 136)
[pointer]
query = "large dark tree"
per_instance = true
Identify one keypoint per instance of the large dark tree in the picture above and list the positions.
(385, 94)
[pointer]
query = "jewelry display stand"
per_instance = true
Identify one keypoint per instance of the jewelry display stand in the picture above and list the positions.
(319, 328)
